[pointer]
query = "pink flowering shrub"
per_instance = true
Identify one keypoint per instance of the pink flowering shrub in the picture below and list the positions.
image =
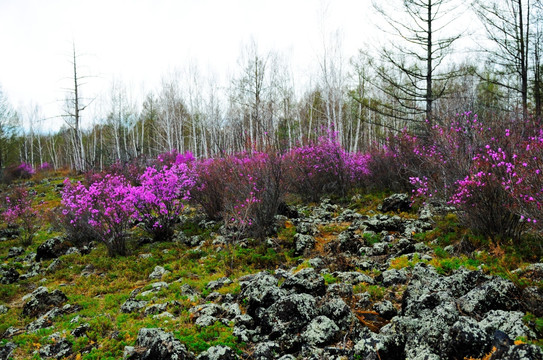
(159, 198)
(173, 157)
(491, 174)
(210, 186)
(243, 189)
(19, 213)
(324, 168)
(106, 205)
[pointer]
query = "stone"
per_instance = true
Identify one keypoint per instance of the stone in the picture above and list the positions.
(158, 273)
(320, 331)
(532, 300)
(81, 330)
(289, 315)
(353, 277)
(155, 343)
(385, 309)
(218, 352)
(467, 339)
(58, 350)
(303, 244)
(15, 251)
(132, 305)
(3, 309)
(54, 266)
(41, 300)
(219, 283)
(9, 276)
(155, 309)
(305, 281)
(306, 228)
(521, 352)
(52, 249)
(495, 294)
(266, 350)
(395, 203)
(6, 350)
(394, 277)
(510, 322)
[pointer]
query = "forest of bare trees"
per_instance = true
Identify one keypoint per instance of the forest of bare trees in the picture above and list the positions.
(421, 77)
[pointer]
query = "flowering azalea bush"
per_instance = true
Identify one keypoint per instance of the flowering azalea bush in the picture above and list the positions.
(19, 213)
(491, 174)
(242, 189)
(159, 198)
(106, 205)
(323, 168)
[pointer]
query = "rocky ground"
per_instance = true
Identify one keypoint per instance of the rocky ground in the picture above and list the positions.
(347, 297)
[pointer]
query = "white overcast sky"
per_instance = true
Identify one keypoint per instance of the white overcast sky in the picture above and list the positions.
(140, 41)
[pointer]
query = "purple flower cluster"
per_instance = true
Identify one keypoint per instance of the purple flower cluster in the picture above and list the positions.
(493, 175)
(20, 213)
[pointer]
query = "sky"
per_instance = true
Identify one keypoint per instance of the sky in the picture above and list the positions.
(141, 41)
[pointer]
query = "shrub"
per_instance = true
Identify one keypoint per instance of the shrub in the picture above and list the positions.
(324, 168)
(492, 175)
(17, 172)
(19, 213)
(158, 199)
(210, 185)
(106, 205)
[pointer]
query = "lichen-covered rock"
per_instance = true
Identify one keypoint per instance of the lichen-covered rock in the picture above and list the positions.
(306, 228)
(81, 330)
(41, 300)
(510, 322)
(15, 251)
(60, 349)
(9, 276)
(467, 339)
(7, 350)
(133, 305)
(52, 249)
(219, 352)
(394, 277)
(320, 331)
(303, 244)
(285, 319)
(219, 283)
(385, 309)
(353, 277)
(305, 281)
(155, 343)
(260, 291)
(532, 300)
(395, 202)
(158, 273)
(520, 352)
(495, 294)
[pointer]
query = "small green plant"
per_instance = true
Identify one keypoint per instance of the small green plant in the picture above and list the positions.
(371, 238)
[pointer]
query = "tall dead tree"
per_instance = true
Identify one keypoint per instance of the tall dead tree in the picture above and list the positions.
(72, 113)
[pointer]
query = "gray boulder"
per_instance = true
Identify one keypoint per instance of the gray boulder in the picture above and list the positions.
(41, 300)
(9, 276)
(396, 203)
(156, 344)
(7, 350)
(305, 281)
(60, 349)
(303, 244)
(219, 352)
(320, 331)
(52, 249)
